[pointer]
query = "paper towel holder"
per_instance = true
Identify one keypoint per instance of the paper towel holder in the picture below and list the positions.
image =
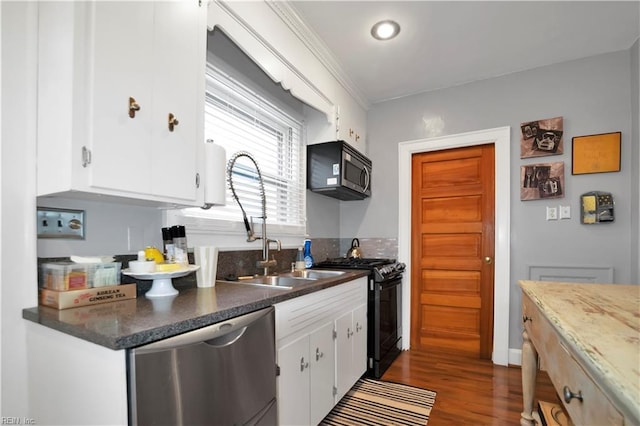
(214, 175)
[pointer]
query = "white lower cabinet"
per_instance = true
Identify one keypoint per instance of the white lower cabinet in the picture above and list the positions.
(315, 365)
(351, 349)
(307, 365)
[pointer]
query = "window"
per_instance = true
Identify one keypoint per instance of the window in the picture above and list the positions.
(239, 119)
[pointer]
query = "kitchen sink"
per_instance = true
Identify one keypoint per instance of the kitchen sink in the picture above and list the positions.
(289, 280)
(314, 274)
(277, 281)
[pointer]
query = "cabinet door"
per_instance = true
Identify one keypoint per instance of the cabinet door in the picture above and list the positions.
(293, 383)
(344, 336)
(152, 52)
(178, 89)
(120, 58)
(322, 364)
(359, 342)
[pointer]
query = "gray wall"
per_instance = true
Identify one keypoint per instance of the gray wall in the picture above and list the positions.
(593, 96)
(635, 157)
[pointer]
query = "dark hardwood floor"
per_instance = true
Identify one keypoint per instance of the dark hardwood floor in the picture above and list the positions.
(469, 391)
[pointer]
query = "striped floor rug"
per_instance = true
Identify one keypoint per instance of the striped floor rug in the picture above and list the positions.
(372, 402)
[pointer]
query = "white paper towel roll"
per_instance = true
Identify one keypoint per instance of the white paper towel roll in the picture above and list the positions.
(215, 171)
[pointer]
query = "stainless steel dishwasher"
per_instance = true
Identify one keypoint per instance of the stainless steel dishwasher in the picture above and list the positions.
(223, 374)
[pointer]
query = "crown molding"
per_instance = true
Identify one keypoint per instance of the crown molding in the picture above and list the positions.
(288, 14)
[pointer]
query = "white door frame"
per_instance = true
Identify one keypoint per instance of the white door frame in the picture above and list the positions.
(501, 138)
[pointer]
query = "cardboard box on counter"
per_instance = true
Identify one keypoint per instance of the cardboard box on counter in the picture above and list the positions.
(87, 296)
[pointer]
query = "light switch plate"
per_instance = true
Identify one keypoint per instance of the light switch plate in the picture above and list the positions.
(60, 223)
(552, 213)
(565, 212)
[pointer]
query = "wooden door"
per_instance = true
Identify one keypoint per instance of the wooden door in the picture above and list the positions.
(452, 251)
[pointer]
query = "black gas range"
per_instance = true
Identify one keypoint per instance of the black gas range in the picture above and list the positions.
(384, 310)
(382, 269)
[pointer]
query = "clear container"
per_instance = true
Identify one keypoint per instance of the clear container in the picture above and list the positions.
(103, 274)
(63, 276)
(300, 263)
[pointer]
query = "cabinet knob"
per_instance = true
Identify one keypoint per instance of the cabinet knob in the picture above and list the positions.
(568, 395)
(133, 107)
(303, 364)
(173, 121)
(319, 354)
(349, 333)
(358, 327)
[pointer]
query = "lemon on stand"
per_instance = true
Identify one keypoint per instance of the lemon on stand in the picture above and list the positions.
(152, 253)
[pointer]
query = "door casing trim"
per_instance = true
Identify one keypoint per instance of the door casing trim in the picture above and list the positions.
(501, 138)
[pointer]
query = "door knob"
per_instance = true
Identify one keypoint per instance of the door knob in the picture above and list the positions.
(488, 260)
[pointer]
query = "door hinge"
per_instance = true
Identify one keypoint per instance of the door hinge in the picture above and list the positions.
(277, 370)
(86, 156)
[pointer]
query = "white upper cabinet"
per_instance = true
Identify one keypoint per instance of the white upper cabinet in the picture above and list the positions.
(351, 126)
(121, 99)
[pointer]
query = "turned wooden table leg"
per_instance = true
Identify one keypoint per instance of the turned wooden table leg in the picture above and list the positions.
(529, 370)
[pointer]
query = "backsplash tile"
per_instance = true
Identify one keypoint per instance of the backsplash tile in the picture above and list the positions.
(373, 247)
(243, 262)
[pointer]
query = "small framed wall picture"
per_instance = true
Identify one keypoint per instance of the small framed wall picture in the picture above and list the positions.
(541, 137)
(596, 153)
(539, 181)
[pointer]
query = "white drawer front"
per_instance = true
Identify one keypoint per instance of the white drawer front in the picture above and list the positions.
(310, 311)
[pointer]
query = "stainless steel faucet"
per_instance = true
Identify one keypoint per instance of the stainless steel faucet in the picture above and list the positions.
(265, 263)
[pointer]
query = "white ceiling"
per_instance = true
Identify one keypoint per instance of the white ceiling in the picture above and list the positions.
(448, 43)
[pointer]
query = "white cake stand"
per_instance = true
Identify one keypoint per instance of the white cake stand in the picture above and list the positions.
(162, 285)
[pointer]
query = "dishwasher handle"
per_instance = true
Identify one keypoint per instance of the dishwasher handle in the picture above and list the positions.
(227, 339)
(215, 334)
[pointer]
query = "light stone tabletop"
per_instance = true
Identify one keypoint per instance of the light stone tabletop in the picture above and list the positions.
(601, 323)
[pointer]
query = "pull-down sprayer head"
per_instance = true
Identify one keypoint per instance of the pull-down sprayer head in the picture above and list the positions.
(248, 225)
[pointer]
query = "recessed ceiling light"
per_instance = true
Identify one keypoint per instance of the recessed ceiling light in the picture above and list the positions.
(385, 30)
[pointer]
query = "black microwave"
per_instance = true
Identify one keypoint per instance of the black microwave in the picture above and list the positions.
(338, 170)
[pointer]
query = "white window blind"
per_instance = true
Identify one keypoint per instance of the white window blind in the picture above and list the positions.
(238, 119)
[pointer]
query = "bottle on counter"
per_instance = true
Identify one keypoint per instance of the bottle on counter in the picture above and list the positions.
(179, 237)
(308, 258)
(300, 263)
(167, 246)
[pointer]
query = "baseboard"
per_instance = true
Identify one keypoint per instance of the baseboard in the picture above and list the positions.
(515, 356)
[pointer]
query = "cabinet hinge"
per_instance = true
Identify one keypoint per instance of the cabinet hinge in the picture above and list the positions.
(335, 391)
(277, 370)
(197, 180)
(335, 334)
(86, 156)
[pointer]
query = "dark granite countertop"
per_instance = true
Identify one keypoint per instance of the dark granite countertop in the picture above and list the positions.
(134, 322)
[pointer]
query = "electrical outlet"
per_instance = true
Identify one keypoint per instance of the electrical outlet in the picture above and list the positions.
(60, 223)
(552, 213)
(565, 212)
